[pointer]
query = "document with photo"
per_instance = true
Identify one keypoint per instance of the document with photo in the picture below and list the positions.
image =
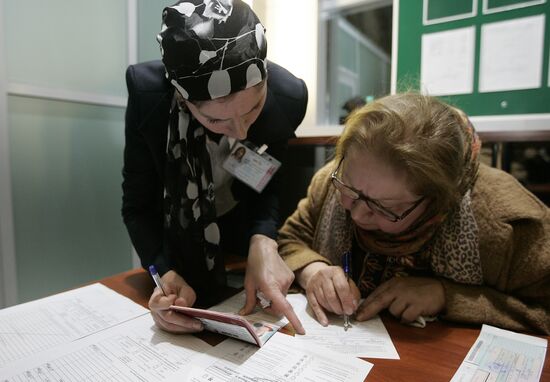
(253, 166)
(502, 355)
(256, 328)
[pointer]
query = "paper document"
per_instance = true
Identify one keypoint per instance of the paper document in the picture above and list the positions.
(512, 54)
(230, 324)
(59, 319)
(367, 339)
(282, 359)
(502, 355)
(136, 350)
(447, 62)
(223, 318)
(107, 338)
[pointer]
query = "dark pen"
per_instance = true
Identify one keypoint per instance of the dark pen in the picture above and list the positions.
(346, 260)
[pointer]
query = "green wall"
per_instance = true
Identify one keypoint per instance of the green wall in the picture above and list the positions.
(410, 34)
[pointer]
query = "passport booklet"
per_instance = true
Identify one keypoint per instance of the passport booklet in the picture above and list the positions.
(231, 325)
(256, 328)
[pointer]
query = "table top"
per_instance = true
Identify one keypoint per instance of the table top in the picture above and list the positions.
(430, 354)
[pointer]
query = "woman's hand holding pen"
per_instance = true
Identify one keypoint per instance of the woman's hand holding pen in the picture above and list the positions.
(328, 289)
(178, 292)
(266, 272)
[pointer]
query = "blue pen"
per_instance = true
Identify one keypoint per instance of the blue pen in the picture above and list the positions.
(156, 278)
(346, 260)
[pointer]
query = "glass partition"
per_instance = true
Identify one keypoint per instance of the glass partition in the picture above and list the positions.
(66, 161)
(71, 45)
(356, 46)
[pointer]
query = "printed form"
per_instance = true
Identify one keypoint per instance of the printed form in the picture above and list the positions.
(502, 355)
(136, 350)
(367, 339)
(281, 359)
(104, 338)
(60, 319)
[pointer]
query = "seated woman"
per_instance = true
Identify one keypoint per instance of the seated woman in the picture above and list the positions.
(431, 232)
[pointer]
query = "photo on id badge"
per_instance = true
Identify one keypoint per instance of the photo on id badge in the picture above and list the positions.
(251, 165)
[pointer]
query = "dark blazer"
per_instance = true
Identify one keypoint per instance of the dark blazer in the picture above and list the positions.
(149, 99)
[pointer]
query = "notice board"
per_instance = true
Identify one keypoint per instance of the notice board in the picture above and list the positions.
(488, 57)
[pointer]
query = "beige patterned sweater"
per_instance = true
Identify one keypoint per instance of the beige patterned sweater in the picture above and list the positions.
(514, 245)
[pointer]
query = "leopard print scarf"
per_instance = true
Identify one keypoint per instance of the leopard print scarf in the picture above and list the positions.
(445, 244)
(450, 250)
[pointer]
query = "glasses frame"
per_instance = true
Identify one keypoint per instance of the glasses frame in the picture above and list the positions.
(378, 208)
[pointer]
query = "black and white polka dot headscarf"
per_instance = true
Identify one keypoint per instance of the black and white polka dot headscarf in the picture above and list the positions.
(212, 48)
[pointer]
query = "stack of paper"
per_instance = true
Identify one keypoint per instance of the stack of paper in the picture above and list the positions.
(57, 320)
(95, 334)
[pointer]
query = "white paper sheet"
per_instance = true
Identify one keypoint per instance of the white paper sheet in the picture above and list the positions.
(447, 62)
(511, 54)
(136, 350)
(282, 359)
(502, 355)
(368, 339)
(59, 319)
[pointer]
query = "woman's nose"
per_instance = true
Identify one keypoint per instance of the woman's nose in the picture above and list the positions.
(359, 209)
(240, 128)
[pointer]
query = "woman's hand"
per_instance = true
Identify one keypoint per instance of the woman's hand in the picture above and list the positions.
(406, 298)
(328, 289)
(178, 293)
(267, 272)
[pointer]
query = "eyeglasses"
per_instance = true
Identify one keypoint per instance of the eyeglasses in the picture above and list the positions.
(352, 193)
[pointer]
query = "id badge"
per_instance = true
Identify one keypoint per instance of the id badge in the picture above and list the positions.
(251, 166)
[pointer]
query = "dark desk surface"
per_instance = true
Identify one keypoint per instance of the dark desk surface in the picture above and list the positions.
(430, 354)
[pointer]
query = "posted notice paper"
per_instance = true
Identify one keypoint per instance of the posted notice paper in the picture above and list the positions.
(447, 62)
(512, 54)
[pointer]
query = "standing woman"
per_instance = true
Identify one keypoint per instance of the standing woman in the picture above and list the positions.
(432, 232)
(213, 93)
